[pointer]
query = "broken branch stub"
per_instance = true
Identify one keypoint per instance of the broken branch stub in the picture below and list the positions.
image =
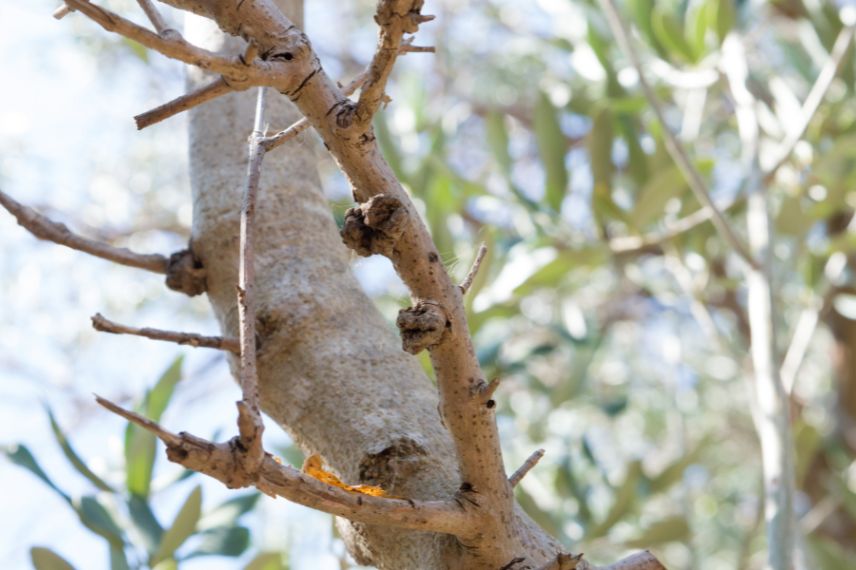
(374, 226)
(186, 274)
(421, 326)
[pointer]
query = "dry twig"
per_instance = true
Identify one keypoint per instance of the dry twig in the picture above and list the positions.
(223, 462)
(44, 228)
(103, 324)
(474, 270)
(527, 466)
(187, 101)
(250, 424)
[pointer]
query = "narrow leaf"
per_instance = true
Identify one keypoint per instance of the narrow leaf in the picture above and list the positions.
(267, 561)
(551, 146)
(46, 559)
(96, 518)
(622, 502)
(497, 140)
(223, 541)
(118, 560)
(671, 529)
(725, 17)
(20, 455)
(670, 33)
(73, 457)
(145, 522)
(228, 512)
(182, 527)
(140, 445)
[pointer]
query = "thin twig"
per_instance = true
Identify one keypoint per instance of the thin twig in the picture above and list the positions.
(633, 244)
(164, 435)
(215, 89)
(676, 151)
(394, 18)
(173, 47)
(250, 423)
(471, 274)
(62, 11)
(224, 462)
(803, 333)
(527, 466)
(103, 324)
(808, 320)
(155, 17)
(298, 127)
(489, 389)
(814, 99)
(676, 266)
(44, 228)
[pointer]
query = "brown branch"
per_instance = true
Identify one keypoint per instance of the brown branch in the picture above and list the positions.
(224, 462)
(103, 324)
(471, 274)
(639, 561)
(298, 127)
(527, 466)
(489, 389)
(44, 228)
(155, 17)
(173, 47)
(395, 18)
(250, 424)
(565, 561)
(215, 89)
(673, 146)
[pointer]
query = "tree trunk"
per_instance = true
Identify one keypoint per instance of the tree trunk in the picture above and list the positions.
(331, 370)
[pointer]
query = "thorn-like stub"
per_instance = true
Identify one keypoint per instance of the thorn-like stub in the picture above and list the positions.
(422, 327)
(375, 226)
(186, 274)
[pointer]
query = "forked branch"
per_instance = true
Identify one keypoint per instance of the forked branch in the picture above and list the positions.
(225, 461)
(395, 18)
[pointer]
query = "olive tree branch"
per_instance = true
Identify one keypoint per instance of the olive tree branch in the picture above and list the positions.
(103, 324)
(224, 462)
(250, 424)
(44, 228)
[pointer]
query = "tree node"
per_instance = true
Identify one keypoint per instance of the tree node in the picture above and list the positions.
(186, 274)
(375, 226)
(422, 326)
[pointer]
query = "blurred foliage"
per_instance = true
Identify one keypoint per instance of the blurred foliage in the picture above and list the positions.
(123, 515)
(546, 150)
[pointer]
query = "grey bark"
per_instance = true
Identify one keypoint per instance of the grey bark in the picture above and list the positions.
(332, 372)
